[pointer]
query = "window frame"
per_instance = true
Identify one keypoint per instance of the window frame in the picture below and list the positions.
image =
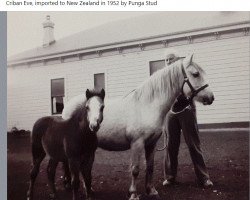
(51, 97)
(162, 60)
(99, 71)
(103, 76)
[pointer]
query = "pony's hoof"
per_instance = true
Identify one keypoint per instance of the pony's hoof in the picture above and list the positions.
(52, 196)
(90, 196)
(67, 186)
(134, 197)
(152, 192)
(92, 191)
(155, 197)
(29, 196)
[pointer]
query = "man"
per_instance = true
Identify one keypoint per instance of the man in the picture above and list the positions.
(182, 117)
(171, 58)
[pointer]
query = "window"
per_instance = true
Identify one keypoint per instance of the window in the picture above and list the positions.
(99, 81)
(57, 95)
(156, 65)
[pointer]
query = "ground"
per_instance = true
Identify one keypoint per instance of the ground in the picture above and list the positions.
(226, 155)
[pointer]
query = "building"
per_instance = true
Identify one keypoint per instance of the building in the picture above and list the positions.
(120, 55)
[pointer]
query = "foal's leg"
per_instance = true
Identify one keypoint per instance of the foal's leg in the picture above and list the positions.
(136, 150)
(51, 171)
(149, 155)
(67, 177)
(38, 156)
(75, 182)
(86, 168)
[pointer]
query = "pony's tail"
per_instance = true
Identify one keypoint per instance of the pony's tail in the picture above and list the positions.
(38, 131)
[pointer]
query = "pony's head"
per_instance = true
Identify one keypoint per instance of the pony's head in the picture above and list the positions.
(195, 85)
(94, 106)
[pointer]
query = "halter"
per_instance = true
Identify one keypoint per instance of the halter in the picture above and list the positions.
(194, 91)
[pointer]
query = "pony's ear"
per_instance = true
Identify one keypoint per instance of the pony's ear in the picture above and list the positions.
(188, 60)
(102, 94)
(88, 94)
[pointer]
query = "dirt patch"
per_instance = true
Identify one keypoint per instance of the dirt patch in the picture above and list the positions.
(226, 155)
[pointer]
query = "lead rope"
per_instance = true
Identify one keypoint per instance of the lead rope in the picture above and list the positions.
(165, 133)
(194, 93)
(165, 141)
(129, 93)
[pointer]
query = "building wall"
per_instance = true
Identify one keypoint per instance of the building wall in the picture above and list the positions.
(226, 62)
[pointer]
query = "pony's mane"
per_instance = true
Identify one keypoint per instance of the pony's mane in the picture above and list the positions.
(161, 83)
(80, 111)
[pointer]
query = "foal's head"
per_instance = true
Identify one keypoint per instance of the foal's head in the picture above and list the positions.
(94, 106)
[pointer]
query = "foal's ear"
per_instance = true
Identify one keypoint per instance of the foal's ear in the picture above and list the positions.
(188, 60)
(88, 94)
(102, 94)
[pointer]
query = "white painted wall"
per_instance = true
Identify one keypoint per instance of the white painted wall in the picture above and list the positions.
(226, 62)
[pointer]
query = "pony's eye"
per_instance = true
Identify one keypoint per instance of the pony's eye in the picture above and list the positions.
(87, 107)
(196, 74)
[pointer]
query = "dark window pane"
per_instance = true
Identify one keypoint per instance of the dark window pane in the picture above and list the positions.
(57, 87)
(156, 65)
(57, 105)
(57, 95)
(99, 81)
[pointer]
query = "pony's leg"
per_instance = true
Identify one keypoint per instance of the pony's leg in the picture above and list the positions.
(136, 150)
(38, 156)
(51, 171)
(149, 155)
(75, 182)
(67, 177)
(86, 168)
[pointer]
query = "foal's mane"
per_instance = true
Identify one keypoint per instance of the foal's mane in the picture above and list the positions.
(161, 83)
(80, 111)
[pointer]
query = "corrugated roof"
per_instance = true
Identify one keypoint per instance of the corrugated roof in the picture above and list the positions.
(138, 28)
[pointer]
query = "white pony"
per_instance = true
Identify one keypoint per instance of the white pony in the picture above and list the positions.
(135, 121)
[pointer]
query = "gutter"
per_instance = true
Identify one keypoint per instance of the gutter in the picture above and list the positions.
(127, 43)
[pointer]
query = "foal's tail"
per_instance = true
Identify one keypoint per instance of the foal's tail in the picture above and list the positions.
(39, 129)
(38, 153)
